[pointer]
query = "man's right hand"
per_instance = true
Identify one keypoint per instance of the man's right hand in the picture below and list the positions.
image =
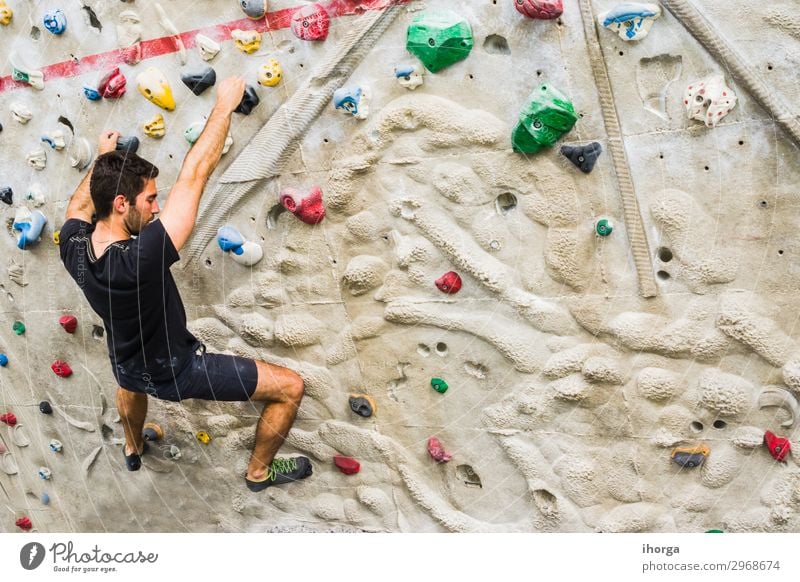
(230, 93)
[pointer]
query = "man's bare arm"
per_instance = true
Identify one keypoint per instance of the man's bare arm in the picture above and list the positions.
(80, 204)
(180, 210)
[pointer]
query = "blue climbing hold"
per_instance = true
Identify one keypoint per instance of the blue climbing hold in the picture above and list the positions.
(3, 360)
(91, 93)
(55, 22)
(230, 239)
(45, 499)
(29, 225)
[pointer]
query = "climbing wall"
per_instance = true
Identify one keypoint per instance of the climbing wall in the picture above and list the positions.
(595, 342)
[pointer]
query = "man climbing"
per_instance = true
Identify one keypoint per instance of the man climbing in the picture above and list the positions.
(120, 256)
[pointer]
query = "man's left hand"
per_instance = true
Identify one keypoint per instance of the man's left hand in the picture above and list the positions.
(108, 141)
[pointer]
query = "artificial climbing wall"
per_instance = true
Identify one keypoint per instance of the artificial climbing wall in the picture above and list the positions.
(594, 383)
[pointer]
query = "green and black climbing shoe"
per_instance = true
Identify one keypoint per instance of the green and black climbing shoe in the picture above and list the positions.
(282, 471)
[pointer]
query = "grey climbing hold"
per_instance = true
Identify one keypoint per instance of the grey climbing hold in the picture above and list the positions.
(254, 9)
(362, 405)
(249, 101)
(7, 195)
(45, 408)
(584, 157)
(128, 144)
(199, 82)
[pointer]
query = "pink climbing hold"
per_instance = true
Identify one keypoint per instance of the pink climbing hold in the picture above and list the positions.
(8, 418)
(61, 368)
(68, 322)
(112, 85)
(132, 54)
(347, 465)
(24, 523)
(449, 283)
(311, 22)
(540, 9)
(310, 209)
(437, 452)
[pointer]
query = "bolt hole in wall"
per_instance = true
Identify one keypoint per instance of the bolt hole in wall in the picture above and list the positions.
(97, 332)
(208, 263)
(720, 424)
(441, 349)
(468, 475)
(696, 426)
(423, 350)
(36, 32)
(763, 204)
(496, 45)
(664, 254)
(663, 275)
(505, 203)
(780, 252)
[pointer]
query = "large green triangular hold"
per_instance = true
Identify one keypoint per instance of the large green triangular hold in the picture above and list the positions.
(439, 39)
(547, 116)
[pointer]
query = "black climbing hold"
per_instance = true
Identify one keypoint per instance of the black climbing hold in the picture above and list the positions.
(362, 405)
(584, 157)
(249, 101)
(45, 408)
(128, 144)
(199, 82)
(7, 195)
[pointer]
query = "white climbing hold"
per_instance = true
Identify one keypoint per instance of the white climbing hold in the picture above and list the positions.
(207, 47)
(19, 437)
(778, 397)
(170, 28)
(242, 251)
(55, 139)
(9, 464)
(25, 74)
(35, 195)
(80, 153)
(37, 158)
(709, 100)
(20, 112)
(409, 76)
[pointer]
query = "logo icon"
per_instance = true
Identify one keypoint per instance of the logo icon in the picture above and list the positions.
(31, 555)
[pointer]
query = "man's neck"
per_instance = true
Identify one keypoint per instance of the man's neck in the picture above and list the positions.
(108, 231)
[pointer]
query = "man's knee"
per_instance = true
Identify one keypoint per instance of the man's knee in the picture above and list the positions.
(295, 387)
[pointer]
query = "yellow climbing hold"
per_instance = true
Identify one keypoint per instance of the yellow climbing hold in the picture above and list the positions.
(270, 73)
(6, 14)
(155, 127)
(248, 41)
(203, 437)
(154, 86)
(56, 234)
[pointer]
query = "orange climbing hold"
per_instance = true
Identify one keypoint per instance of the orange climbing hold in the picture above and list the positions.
(61, 368)
(68, 322)
(152, 432)
(347, 465)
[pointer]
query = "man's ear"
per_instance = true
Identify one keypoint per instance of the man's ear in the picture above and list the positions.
(119, 202)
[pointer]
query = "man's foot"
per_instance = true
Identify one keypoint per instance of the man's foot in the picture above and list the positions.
(282, 471)
(134, 461)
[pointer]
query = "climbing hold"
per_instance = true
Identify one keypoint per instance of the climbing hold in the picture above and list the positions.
(540, 9)
(18, 327)
(362, 405)
(7, 195)
(409, 76)
(200, 81)
(37, 158)
(310, 209)
(155, 127)
(129, 36)
(584, 157)
(68, 322)
(604, 227)
(172, 30)
(714, 531)
(203, 437)
(777, 446)
(311, 22)
(24, 523)
(449, 283)
(254, 9)
(630, 20)
(346, 465)
(36, 195)
(353, 101)
(28, 225)
(437, 452)
(248, 41)
(270, 73)
(173, 453)
(45, 408)
(9, 418)
(439, 385)
(112, 84)
(128, 144)
(153, 85)
(45, 499)
(55, 22)
(547, 116)
(249, 101)
(24, 74)
(192, 133)
(439, 39)
(56, 446)
(55, 139)
(61, 368)
(3, 360)
(45, 473)
(20, 112)
(242, 251)
(690, 457)
(6, 14)
(56, 235)
(207, 47)
(91, 93)
(152, 432)
(709, 100)
(80, 153)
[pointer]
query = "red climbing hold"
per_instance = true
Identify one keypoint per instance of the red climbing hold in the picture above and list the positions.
(132, 54)
(449, 283)
(540, 9)
(68, 322)
(436, 449)
(310, 209)
(112, 85)
(24, 523)
(61, 369)
(311, 22)
(8, 418)
(347, 465)
(778, 447)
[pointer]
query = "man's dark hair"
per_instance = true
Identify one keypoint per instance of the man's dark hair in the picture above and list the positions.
(118, 173)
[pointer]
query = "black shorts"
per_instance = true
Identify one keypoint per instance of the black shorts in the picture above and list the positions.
(205, 376)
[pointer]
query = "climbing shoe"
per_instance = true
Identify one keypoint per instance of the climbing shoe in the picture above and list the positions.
(282, 471)
(134, 461)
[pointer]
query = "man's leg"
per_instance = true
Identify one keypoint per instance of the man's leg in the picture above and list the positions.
(132, 408)
(281, 389)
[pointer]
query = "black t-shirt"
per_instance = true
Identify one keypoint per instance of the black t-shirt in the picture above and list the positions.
(130, 286)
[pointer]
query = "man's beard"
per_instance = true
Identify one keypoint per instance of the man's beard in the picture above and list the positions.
(133, 221)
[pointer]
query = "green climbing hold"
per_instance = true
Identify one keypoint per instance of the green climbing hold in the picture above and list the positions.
(715, 531)
(439, 385)
(18, 327)
(547, 117)
(439, 39)
(604, 227)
